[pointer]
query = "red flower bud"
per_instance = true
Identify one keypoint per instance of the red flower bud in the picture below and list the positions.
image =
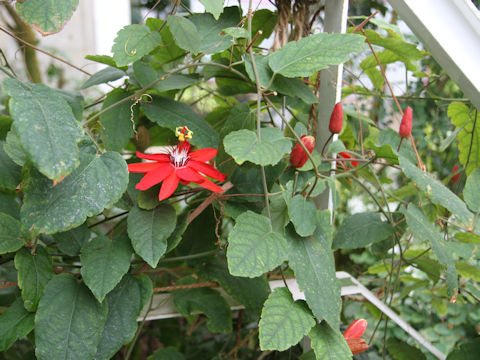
(406, 124)
(346, 155)
(455, 177)
(356, 329)
(336, 119)
(298, 156)
(357, 346)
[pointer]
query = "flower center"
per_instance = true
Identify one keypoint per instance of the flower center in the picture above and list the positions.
(179, 156)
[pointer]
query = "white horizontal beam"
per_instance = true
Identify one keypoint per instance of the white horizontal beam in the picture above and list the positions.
(162, 306)
(450, 30)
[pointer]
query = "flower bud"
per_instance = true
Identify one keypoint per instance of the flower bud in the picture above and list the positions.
(356, 329)
(357, 346)
(406, 124)
(298, 156)
(455, 177)
(336, 119)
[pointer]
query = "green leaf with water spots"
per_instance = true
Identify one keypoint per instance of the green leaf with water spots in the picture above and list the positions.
(303, 214)
(284, 322)
(97, 183)
(46, 16)
(10, 173)
(11, 238)
(41, 116)
(253, 247)
(471, 192)
(69, 321)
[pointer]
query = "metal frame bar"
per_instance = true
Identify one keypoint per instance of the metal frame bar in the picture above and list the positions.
(162, 306)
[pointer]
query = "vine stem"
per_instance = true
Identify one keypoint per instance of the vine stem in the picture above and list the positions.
(156, 81)
(259, 102)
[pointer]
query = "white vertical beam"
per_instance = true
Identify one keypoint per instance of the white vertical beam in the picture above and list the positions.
(336, 12)
(450, 30)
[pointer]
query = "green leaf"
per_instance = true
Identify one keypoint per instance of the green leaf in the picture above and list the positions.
(177, 234)
(468, 271)
(168, 353)
(400, 350)
(253, 247)
(214, 7)
(14, 149)
(149, 231)
(10, 173)
(466, 351)
(424, 230)
(436, 190)
(236, 32)
(172, 114)
(169, 52)
(284, 322)
(133, 42)
(302, 212)
(468, 137)
(264, 20)
(46, 16)
(470, 191)
(104, 262)
(145, 74)
(329, 344)
(244, 145)
(468, 238)
(360, 230)
(71, 242)
(34, 272)
(207, 301)
(251, 292)
(9, 206)
(69, 321)
(210, 29)
(75, 100)
(105, 59)
(103, 76)
(124, 306)
(116, 124)
(11, 238)
(97, 183)
(313, 53)
(185, 33)
(15, 323)
(40, 117)
(311, 259)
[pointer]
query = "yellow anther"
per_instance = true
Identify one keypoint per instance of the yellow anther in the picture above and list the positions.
(183, 133)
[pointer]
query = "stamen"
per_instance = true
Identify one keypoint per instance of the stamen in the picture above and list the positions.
(179, 157)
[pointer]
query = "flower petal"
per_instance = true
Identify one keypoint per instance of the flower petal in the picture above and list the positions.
(142, 167)
(155, 157)
(207, 184)
(168, 187)
(203, 154)
(207, 170)
(154, 177)
(189, 175)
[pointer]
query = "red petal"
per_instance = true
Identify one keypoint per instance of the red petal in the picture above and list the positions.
(155, 176)
(142, 167)
(189, 175)
(155, 157)
(168, 187)
(207, 170)
(356, 329)
(207, 184)
(357, 346)
(203, 154)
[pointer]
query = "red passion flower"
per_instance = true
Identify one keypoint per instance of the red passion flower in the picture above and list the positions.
(178, 164)
(353, 336)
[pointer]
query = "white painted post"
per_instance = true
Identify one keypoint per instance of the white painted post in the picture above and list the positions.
(336, 12)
